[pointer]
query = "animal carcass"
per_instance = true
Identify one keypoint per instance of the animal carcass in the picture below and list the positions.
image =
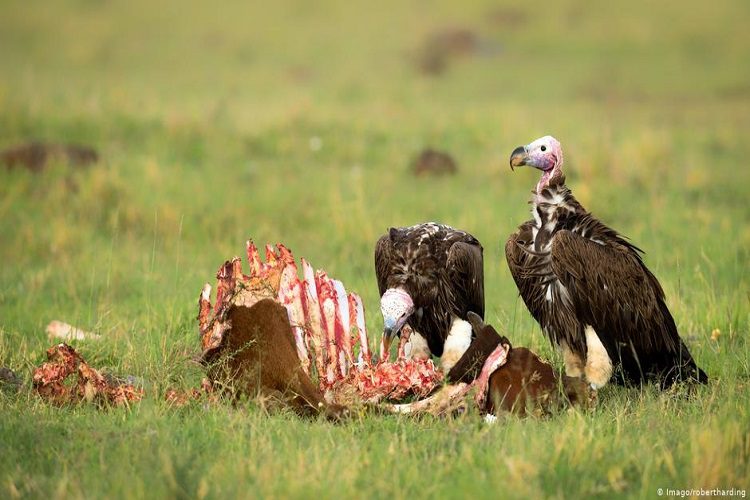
(271, 332)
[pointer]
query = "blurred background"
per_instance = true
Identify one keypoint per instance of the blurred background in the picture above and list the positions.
(143, 142)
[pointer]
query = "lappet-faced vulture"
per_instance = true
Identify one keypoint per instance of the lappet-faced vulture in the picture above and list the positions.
(589, 288)
(430, 276)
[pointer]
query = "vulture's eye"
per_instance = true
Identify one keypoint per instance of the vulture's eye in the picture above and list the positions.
(544, 148)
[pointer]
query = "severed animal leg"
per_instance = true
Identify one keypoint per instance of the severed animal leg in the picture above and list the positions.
(446, 400)
(458, 341)
(598, 365)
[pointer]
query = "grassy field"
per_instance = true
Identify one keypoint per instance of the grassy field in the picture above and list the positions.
(296, 123)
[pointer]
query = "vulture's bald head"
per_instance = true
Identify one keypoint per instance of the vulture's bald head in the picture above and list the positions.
(396, 305)
(545, 154)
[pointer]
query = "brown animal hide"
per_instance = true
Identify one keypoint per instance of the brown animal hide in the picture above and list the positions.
(525, 384)
(259, 358)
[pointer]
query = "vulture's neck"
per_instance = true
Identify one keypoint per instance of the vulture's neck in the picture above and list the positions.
(552, 203)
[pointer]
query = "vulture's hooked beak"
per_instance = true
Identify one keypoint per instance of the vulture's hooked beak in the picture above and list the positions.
(519, 157)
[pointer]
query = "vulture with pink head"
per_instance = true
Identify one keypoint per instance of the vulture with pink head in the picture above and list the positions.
(430, 276)
(589, 288)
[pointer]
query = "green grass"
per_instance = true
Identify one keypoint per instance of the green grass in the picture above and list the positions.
(204, 117)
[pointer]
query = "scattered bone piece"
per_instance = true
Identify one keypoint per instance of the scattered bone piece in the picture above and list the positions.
(63, 331)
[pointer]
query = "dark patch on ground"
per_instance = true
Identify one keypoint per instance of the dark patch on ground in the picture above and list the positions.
(433, 162)
(507, 17)
(439, 50)
(444, 46)
(300, 73)
(739, 91)
(35, 156)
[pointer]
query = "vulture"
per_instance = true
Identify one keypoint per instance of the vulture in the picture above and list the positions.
(430, 276)
(589, 289)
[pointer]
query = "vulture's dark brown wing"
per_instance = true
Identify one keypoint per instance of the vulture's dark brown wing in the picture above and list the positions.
(383, 252)
(613, 291)
(466, 266)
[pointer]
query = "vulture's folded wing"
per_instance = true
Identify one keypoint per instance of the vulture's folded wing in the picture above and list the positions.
(611, 289)
(383, 252)
(466, 264)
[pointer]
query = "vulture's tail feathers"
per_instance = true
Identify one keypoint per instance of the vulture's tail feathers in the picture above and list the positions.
(681, 367)
(688, 370)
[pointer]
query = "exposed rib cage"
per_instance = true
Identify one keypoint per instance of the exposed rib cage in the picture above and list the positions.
(328, 324)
